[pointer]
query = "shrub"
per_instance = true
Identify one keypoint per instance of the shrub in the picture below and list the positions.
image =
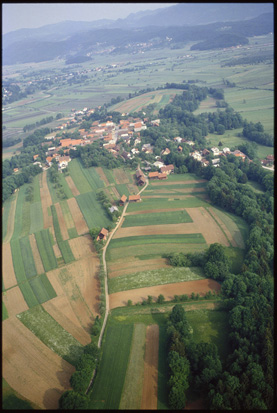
(73, 400)
(160, 299)
(80, 380)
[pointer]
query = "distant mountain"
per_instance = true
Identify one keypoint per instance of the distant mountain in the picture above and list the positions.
(70, 39)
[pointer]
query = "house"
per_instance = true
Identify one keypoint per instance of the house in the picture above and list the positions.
(139, 173)
(270, 158)
(216, 161)
(141, 180)
(113, 208)
(134, 198)
(178, 139)
(63, 161)
(167, 169)
(226, 150)
(180, 149)
(102, 234)
(134, 151)
(122, 200)
(196, 155)
(239, 154)
(191, 143)
(205, 162)
(153, 175)
(155, 122)
(158, 164)
(205, 152)
(215, 151)
(49, 160)
(165, 152)
(53, 148)
(162, 176)
(15, 169)
(35, 157)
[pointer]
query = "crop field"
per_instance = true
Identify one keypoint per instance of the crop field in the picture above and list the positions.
(5, 215)
(5, 314)
(92, 177)
(67, 216)
(77, 174)
(36, 217)
(77, 217)
(18, 218)
(166, 203)
(55, 191)
(45, 248)
(27, 257)
(13, 302)
(28, 294)
(157, 239)
(151, 360)
(18, 261)
(156, 218)
(8, 275)
(51, 333)
(42, 288)
(92, 210)
(109, 382)
(154, 277)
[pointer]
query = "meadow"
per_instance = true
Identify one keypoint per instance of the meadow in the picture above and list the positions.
(166, 203)
(92, 210)
(156, 218)
(154, 277)
(46, 250)
(157, 239)
(51, 333)
(76, 172)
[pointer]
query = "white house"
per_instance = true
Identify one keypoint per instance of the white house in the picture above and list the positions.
(63, 161)
(196, 155)
(113, 208)
(215, 151)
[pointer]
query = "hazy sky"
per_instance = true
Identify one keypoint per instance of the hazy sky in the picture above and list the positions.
(30, 15)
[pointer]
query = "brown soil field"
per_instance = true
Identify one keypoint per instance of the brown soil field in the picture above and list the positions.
(102, 175)
(62, 223)
(82, 247)
(120, 176)
(194, 181)
(63, 281)
(46, 201)
(72, 186)
(133, 265)
(57, 251)
(79, 220)
(10, 225)
(14, 301)
(115, 191)
(121, 298)
(149, 211)
(182, 190)
(60, 309)
(9, 279)
(36, 254)
(150, 382)
(31, 368)
(223, 227)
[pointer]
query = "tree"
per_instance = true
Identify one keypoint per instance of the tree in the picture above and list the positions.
(129, 303)
(160, 299)
(150, 299)
(72, 400)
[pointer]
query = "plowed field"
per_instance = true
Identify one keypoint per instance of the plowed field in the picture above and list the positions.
(82, 247)
(8, 274)
(201, 287)
(133, 265)
(150, 382)
(31, 368)
(14, 301)
(72, 186)
(62, 223)
(79, 221)
(60, 309)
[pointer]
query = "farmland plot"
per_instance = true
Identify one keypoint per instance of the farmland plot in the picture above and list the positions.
(17, 227)
(9, 279)
(14, 301)
(92, 210)
(36, 254)
(42, 288)
(17, 261)
(28, 294)
(79, 179)
(46, 201)
(72, 186)
(8, 218)
(45, 249)
(124, 267)
(77, 216)
(171, 217)
(150, 382)
(27, 257)
(31, 368)
(36, 217)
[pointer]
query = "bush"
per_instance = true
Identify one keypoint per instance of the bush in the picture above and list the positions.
(86, 361)
(129, 303)
(80, 380)
(92, 350)
(73, 400)
(160, 299)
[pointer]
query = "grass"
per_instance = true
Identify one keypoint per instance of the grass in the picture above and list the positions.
(5, 216)
(92, 177)
(5, 314)
(109, 175)
(182, 177)
(18, 219)
(257, 188)
(54, 192)
(150, 251)
(27, 257)
(154, 277)
(45, 248)
(18, 264)
(28, 294)
(51, 333)
(133, 385)
(36, 186)
(11, 400)
(156, 218)
(108, 385)
(164, 203)
(76, 172)
(36, 217)
(176, 186)
(236, 257)
(42, 288)
(122, 189)
(66, 251)
(211, 327)
(92, 210)
(157, 239)
(67, 215)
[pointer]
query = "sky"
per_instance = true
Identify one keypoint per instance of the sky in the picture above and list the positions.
(32, 15)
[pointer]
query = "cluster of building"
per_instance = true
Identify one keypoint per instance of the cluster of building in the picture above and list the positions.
(201, 155)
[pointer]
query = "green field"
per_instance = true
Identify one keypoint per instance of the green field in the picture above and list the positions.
(18, 261)
(66, 251)
(133, 385)
(28, 294)
(92, 210)
(156, 218)
(152, 188)
(18, 219)
(42, 288)
(109, 175)
(123, 189)
(51, 333)
(11, 400)
(149, 251)
(54, 191)
(36, 186)
(72, 232)
(27, 257)
(5, 216)
(109, 382)
(46, 250)
(157, 239)
(76, 172)
(5, 314)
(92, 177)
(36, 217)
(166, 203)
(154, 277)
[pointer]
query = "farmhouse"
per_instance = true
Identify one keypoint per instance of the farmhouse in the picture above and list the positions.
(102, 234)
(167, 169)
(165, 152)
(134, 198)
(139, 173)
(153, 175)
(63, 162)
(122, 200)
(162, 176)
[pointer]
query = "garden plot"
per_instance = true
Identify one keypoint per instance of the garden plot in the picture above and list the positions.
(201, 287)
(77, 216)
(151, 358)
(31, 368)
(9, 279)
(14, 301)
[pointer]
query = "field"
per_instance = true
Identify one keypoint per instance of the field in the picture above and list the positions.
(46, 250)
(171, 217)
(151, 359)
(92, 210)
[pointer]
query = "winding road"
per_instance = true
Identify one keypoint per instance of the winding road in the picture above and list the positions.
(105, 267)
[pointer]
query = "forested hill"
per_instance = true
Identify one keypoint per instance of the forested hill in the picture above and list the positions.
(42, 47)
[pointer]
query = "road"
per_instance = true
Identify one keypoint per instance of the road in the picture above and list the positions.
(105, 267)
